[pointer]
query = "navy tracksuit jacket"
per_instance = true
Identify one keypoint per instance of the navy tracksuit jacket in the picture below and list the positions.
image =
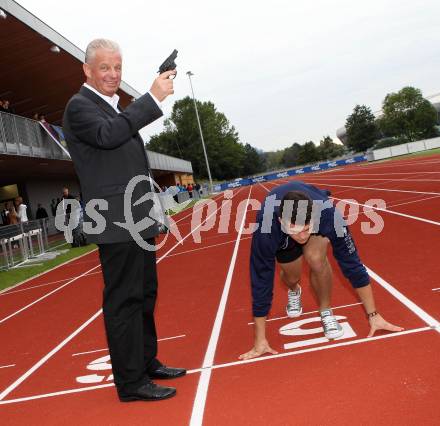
(269, 238)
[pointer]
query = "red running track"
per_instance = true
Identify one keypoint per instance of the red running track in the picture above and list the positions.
(54, 363)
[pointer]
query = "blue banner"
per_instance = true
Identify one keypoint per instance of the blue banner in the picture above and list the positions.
(287, 173)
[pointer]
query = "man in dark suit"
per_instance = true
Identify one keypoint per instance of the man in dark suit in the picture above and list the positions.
(108, 152)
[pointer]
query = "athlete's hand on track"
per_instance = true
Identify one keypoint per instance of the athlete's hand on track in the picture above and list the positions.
(260, 348)
(378, 323)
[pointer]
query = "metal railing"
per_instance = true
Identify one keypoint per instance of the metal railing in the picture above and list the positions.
(21, 242)
(23, 136)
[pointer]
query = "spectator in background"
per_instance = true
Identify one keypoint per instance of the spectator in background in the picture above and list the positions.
(12, 218)
(67, 208)
(42, 215)
(4, 214)
(1, 106)
(36, 116)
(11, 214)
(196, 190)
(174, 190)
(41, 212)
(53, 206)
(190, 190)
(21, 210)
(42, 119)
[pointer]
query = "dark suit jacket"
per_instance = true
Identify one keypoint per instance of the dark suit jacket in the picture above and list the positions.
(107, 151)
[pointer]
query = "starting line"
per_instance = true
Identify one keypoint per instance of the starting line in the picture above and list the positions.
(231, 364)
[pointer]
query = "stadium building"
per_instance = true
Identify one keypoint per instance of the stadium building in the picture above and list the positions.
(40, 72)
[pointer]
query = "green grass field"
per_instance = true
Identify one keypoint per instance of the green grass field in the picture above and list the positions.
(17, 275)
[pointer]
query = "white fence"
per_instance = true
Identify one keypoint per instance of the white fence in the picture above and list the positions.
(406, 148)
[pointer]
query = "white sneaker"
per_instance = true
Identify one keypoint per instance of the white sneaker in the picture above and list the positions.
(332, 329)
(294, 307)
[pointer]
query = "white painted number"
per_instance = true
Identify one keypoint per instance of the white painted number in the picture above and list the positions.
(99, 364)
(295, 329)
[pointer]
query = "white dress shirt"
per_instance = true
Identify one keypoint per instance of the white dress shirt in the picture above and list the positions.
(113, 100)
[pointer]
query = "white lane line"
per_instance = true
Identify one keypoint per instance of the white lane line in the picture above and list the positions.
(387, 164)
(436, 289)
(202, 388)
(325, 347)
(47, 395)
(195, 229)
(231, 364)
(376, 208)
(361, 213)
(46, 295)
(43, 285)
(171, 338)
(192, 209)
(205, 247)
(373, 188)
(311, 312)
(10, 388)
(7, 366)
(106, 349)
(412, 202)
(90, 352)
(22, 378)
(421, 219)
(417, 310)
(267, 189)
(35, 286)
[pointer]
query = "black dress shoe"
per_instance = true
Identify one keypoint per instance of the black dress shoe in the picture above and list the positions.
(164, 372)
(148, 392)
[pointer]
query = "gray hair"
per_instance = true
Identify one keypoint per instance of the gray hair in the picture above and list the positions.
(100, 43)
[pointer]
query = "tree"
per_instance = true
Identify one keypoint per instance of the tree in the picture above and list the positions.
(253, 161)
(387, 142)
(181, 138)
(407, 115)
(362, 130)
(290, 155)
(308, 153)
(273, 160)
(327, 149)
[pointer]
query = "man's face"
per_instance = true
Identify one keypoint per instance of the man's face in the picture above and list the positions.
(298, 233)
(65, 192)
(104, 72)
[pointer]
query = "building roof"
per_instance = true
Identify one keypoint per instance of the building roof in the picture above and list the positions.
(34, 77)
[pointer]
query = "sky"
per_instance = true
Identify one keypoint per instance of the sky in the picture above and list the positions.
(281, 71)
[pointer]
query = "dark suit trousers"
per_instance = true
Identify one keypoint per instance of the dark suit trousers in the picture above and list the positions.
(129, 298)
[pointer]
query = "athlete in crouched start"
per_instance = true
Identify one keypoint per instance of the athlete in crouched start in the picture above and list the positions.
(298, 220)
